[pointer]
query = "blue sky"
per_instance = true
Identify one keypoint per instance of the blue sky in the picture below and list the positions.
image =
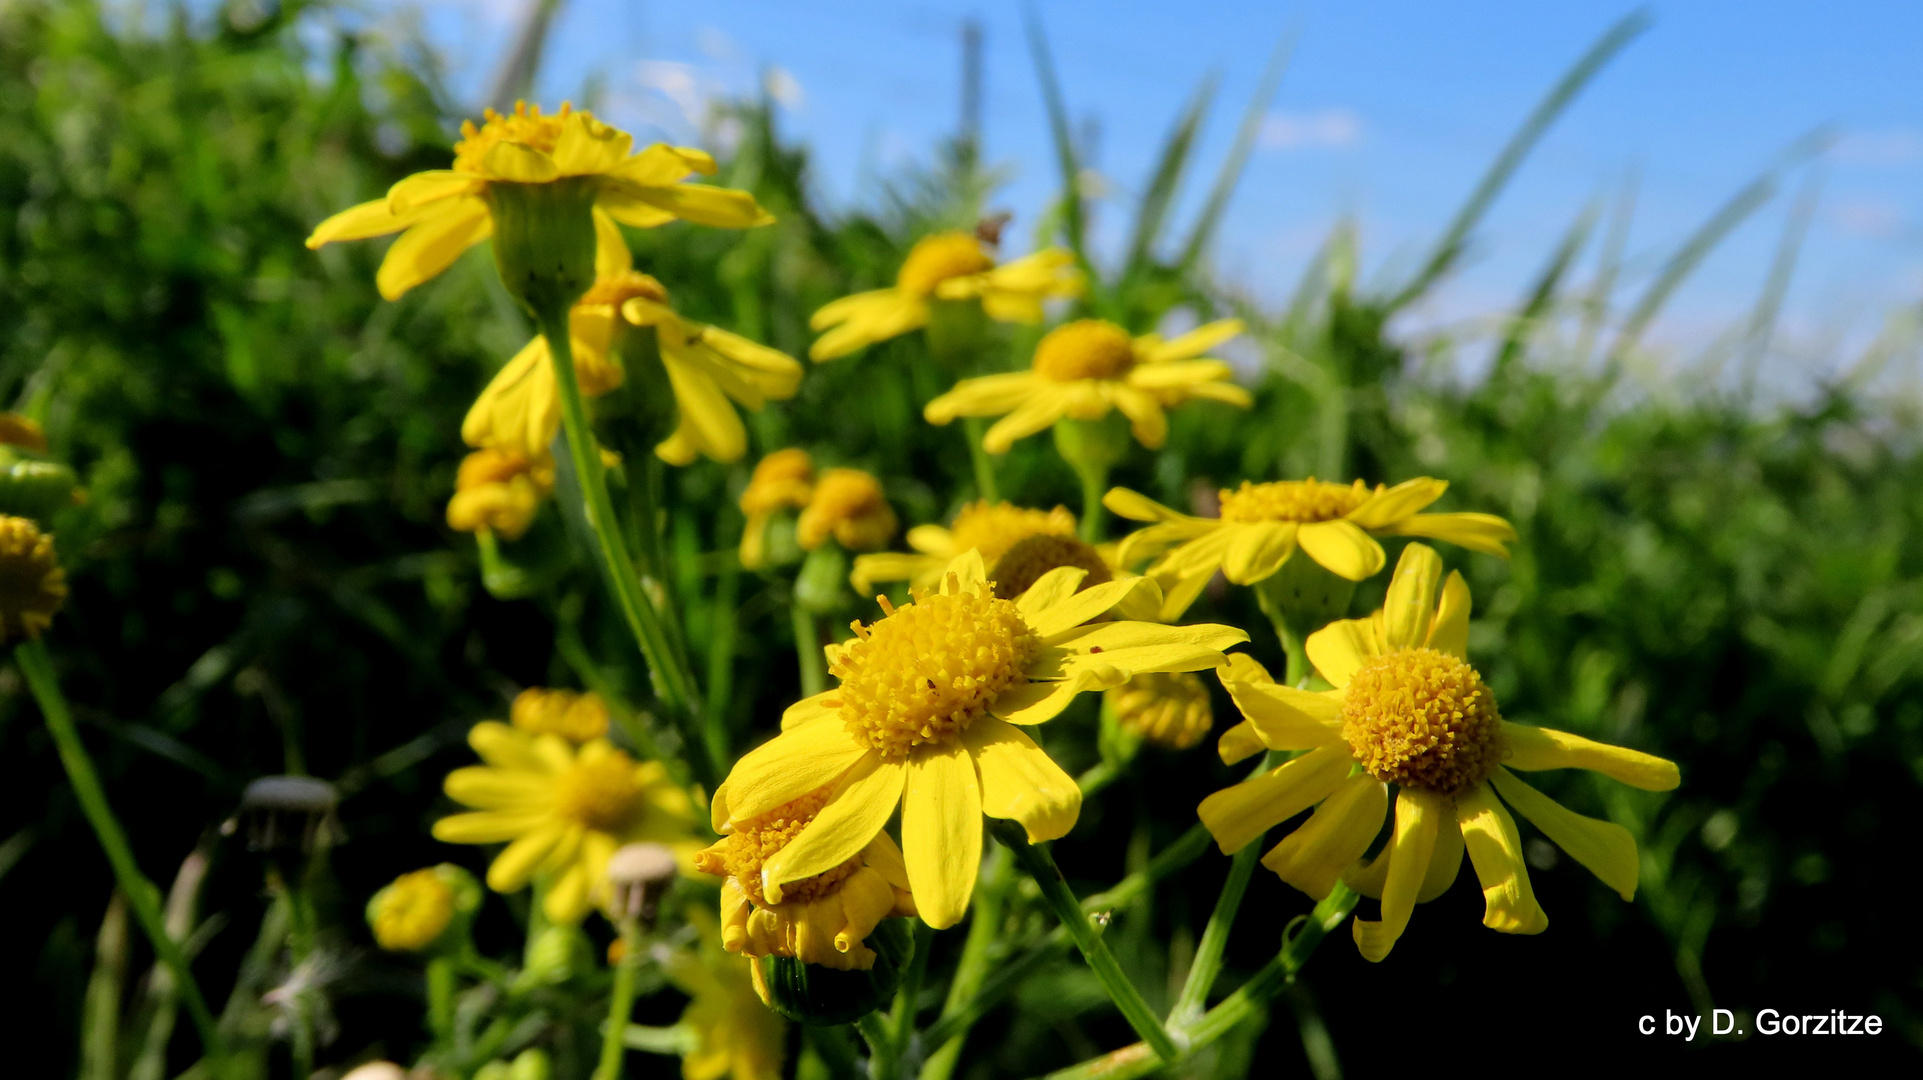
(1389, 113)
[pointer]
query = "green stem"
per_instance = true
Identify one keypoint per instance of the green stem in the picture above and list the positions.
(973, 427)
(1094, 485)
(814, 671)
(440, 998)
(881, 1046)
(141, 894)
(1208, 953)
(908, 998)
(1055, 891)
(672, 679)
(985, 922)
(620, 1004)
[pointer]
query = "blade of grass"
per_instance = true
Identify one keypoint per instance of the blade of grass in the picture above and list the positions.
(1579, 75)
(1762, 321)
(1609, 265)
(1239, 151)
(1542, 297)
(1066, 159)
(1153, 212)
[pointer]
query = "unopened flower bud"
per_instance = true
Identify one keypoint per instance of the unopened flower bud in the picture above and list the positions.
(638, 875)
(287, 813)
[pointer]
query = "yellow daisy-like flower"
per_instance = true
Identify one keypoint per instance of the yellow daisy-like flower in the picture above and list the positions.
(498, 491)
(824, 919)
(576, 717)
(447, 211)
(32, 585)
(945, 266)
(1168, 709)
(1408, 710)
(520, 410)
(990, 528)
(1084, 369)
(1262, 526)
(562, 810)
(735, 1034)
(414, 910)
(926, 717)
(784, 480)
(849, 505)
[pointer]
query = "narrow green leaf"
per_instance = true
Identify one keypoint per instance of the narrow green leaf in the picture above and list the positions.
(1066, 159)
(1543, 295)
(1153, 211)
(1762, 321)
(1239, 151)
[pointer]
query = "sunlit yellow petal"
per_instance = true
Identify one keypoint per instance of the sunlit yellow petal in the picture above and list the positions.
(860, 805)
(1314, 857)
(1195, 342)
(1341, 548)
(611, 255)
(433, 244)
(1136, 507)
(1147, 422)
(1495, 849)
(1237, 815)
(721, 208)
(1606, 848)
(1038, 413)
(1450, 631)
(516, 863)
(1533, 748)
(1285, 718)
(1388, 507)
(487, 826)
(1417, 815)
(1257, 550)
(941, 832)
(1446, 861)
(785, 768)
(1035, 702)
(1411, 604)
(1339, 648)
(1021, 782)
(373, 218)
(1486, 533)
(495, 789)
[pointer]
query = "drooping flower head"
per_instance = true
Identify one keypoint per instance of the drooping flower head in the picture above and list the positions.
(784, 480)
(928, 716)
(735, 1034)
(1409, 710)
(32, 585)
(1263, 525)
(447, 211)
(849, 505)
(562, 810)
(1169, 709)
(944, 266)
(1085, 369)
(990, 528)
(498, 491)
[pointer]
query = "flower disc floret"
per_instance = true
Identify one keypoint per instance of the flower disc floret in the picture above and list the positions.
(1024, 564)
(1293, 500)
(32, 585)
(935, 259)
(740, 854)
(1423, 719)
(928, 669)
(599, 792)
(1085, 349)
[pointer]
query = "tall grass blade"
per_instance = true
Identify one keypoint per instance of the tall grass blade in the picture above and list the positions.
(1542, 296)
(1239, 151)
(1074, 217)
(516, 77)
(1153, 212)
(1608, 266)
(1769, 305)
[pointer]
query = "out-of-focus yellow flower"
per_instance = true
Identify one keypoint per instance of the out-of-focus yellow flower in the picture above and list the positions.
(848, 505)
(784, 480)
(576, 717)
(820, 920)
(735, 1034)
(1167, 708)
(415, 910)
(22, 431)
(562, 810)
(990, 528)
(520, 410)
(498, 491)
(447, 211)
(926, 718)
(1407, 709)
(1262, 525)
(32, 585)
(1084, 369)
(945, 266)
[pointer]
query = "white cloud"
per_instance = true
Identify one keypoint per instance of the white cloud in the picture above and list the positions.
(1875, 218)
(783, 87)
(1323, 127)
(1892, 147)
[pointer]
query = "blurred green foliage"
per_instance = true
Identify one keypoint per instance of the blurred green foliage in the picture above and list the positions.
(262, 583)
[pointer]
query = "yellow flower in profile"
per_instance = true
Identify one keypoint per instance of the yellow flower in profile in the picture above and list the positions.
(576, 717)
(926, 717)
(1084, 369)
(562, 810)
(520, 410)
(784, 480)
(1167, 708)
(1262, 526)
(415, 910)
(32, 585)
(735, 1035)
(990, 528)
(1408, 710)
(944, 266)
(824, 919)
(498, 491)
(849, 505)
(447, 211)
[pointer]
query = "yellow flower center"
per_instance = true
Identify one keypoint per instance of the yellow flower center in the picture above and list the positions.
(1423, 719)
(1169, 709)
(935, 259)
(924, 672)
(620, 288)
(599, 792)
(850, 504)
(994, 528)
(524, 125)
(1085, 349)
(412, 912)
(1024, 564)
(32, 585)
(740, 854)
(1293, 500)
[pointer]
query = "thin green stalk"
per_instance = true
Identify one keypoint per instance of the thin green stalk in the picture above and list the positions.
(985, 922)
(1207, 964)
(620, 1004)
(1040, 865)
(973, 427)
(881, 1046)
(1094, 486)
(440, 998)
(814, 671)
(672, 679)
(142, 896)
(908, 997)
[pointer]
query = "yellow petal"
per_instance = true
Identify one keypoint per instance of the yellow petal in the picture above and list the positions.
(884, 566)
(504, 747)
(860, 805)
(611, 255)
(720, 208)
(1411, 604)
(488, 826)
(373, 218)
(1446, 861)
(629, 209)
(1038, 413)
(660, 164)
(1339, 648)
(1314, 857)
(1257, 551)
(1486, 533)
(1450, 631)
(515, 864)
(587, 147)
(1054, 621)
(1417, 815)
(967, 571)
(941, 832)
(810, 708)
(1050, 590)
(708, 421)
(422, 188)
(1104, 638)
(988, 395)
(1035, 702)
(1195, 342)
(1238, 815)
(886, 858)
(1021, 782)
(1495, 849)
(785, 768)
(889, 315)
(1137, 507)
(1285, 718)
(1341, 548)
(566, 902)
(1533, 748)
(1386, 508)
(1239, 743)
(496, 789)
(1147, 421)
(1606, 848)
(433, 244)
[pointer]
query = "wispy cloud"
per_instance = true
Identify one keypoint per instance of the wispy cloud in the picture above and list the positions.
(1894, 146)
(1303, 130)
(1875, 218)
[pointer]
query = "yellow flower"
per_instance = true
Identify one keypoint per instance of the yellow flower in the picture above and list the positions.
(414, 910)
(520, 410)
(848, 505)
(1084, 369)
(498, 491)
(926, 717)
(576, 717)
(563, 811)
(945, 266)
(1167, 709)
(784, 480)
(824, 919)
(32, 585)
(447, 211)
(735, 1035)
(1407, 709)
(990, 528)
(1262, 525)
